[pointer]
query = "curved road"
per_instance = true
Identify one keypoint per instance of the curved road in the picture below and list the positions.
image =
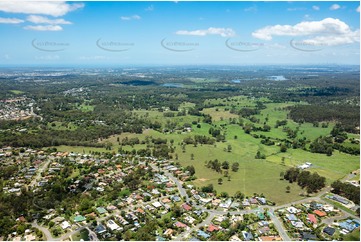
(211, 213)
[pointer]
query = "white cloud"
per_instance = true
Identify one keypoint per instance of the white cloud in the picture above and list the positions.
(224, 32)
(44, 27)
(314, 7)
(329, 31)
(36, 19)
(296, 9)
(332, 40)
(335, 7)
(358, 9)
(127, 18)
(11, 21)
(252, 9)
(55, 9)
(150, 8)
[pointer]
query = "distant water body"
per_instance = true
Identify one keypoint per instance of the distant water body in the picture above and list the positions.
(172, 85)
(276, 78)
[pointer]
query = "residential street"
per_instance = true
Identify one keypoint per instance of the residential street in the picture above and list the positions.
(211, 213)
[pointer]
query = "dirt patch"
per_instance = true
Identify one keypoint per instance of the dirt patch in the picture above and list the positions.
(202, 179)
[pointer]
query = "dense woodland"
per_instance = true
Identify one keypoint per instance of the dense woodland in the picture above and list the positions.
(330, 96)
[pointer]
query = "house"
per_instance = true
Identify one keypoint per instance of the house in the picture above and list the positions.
(216, 202)
(264, 230)
(235, 205)
(141, 211)
(180, 225)
(193, 239)
(349, 225)
(101, 210)
(100, 229)
(292, 210)
(235, 238)
(308, 236)
(219, 219)
(320, 213)
(212, 228)
(166, 200)
(329, 230)
(312, 218)
(21, 219)
(260, 216)
(112, 225)
(79, 218)
(186, 207)
(270, 238)
(157, 204)
(291, 217)
(253, 200)
(92, 215)
(263, 223)
(155, 192)
(247, 236)
(226, 204)
(262, 200)
(297, 224)
(205, 200)
(198, 212)
(160, 238)
(245, 203)
(175, 198)
(339, 199)
(169, 232)
(111, 208)
(64, 225)
(203, 234)
(328, 208)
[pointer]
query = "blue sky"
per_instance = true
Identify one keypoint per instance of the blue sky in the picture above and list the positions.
(179, 33)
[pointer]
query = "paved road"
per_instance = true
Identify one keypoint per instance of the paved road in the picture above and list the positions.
(38, 175)
(211, 213)
(92, 236)
(181, 190)
(279, 226)
(186, 234)
(45, 231)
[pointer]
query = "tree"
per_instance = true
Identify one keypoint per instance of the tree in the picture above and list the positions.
(235, 166)
(225, 165)
(220, 181)
(260, 156)
(192, 156)
(207, 189)
(282, 174)
(283, 148)
(288, 189)
(239, 195)
(229, 148)
(191, 170)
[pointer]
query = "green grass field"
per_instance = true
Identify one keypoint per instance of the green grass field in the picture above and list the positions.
(354, 236)
(16, 92)
(81, 235)
(86, 108)
(59, 126)
(254, 175)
